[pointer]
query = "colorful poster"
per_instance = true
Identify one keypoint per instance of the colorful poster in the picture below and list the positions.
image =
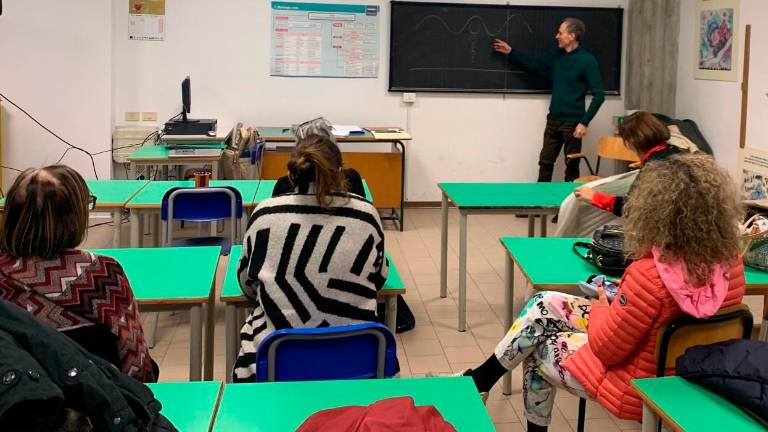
(146, 20)
(324, 40)
(716, 34)
(753, 170)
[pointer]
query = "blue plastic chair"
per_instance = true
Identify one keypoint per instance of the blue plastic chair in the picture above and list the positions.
(202, 205)
(256, 153)
(357, 351)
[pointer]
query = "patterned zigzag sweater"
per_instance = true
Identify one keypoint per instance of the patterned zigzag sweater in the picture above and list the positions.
(304, 266)
(80, 289)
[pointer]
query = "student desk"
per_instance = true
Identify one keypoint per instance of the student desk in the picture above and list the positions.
(495, 198)
(385, 171)
(149, 201)
(158, 155)
(169, 279)
(550, 264)
(267, 186)
(111, 195)
(686, 406)
(190, 406)
(232, 296)
(283, 406)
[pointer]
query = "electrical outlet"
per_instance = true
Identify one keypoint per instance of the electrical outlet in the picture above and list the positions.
(409, 97)
(149, 116)
(132, 116)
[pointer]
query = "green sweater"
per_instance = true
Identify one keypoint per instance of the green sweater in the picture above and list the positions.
(572, 75)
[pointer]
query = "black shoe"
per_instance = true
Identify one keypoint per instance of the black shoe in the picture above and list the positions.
(554, 219)
(532, 427)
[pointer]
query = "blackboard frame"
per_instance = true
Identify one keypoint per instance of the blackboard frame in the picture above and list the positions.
(392, 88)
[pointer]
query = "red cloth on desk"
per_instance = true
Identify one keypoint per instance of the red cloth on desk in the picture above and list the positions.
(394, 414)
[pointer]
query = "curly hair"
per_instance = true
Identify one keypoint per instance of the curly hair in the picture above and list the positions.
(687, 207)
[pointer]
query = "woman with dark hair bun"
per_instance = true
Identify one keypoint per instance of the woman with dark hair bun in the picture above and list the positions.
(311, 258)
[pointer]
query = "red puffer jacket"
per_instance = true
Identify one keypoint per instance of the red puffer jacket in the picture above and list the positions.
(622, 336)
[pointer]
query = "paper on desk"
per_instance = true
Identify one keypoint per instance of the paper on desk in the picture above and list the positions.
(346, 130)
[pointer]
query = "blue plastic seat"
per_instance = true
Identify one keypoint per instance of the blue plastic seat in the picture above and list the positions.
(356, 351)
(202, 205)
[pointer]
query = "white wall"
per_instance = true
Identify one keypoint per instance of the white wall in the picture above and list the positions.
(55, 62)
(225, 49)
(716, 105)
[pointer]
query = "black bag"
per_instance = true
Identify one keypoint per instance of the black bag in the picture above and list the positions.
(405, 319)
(606, 251)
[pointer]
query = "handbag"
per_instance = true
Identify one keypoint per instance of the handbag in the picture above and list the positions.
(753, 242)
(606, 251)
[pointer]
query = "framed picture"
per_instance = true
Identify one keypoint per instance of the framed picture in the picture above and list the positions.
(717, 29)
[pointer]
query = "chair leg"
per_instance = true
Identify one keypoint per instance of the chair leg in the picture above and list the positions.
(582, 414)
(153, 335)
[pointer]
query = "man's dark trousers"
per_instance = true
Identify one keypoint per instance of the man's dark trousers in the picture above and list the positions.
(559, 135)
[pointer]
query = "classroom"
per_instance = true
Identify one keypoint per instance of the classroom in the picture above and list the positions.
(382, 215)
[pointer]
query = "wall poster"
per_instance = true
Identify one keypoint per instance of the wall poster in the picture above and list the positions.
(717, 29)
(324, 40)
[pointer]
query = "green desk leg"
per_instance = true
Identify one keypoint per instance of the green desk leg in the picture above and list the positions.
(136, 228)
(117, 218)
(210, 321)
(531, 225)
(230, 317)
(650, 419)
(195, 342)
(444, 247)
(390, 303)
(462, 270)
(509, 306)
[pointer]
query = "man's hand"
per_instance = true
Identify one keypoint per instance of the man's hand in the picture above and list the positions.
(580, 131)
(501, 46)
(584, 193)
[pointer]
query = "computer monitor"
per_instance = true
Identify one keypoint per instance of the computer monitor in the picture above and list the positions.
(186, 99)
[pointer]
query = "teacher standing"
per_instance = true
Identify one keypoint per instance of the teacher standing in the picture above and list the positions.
(574, 72)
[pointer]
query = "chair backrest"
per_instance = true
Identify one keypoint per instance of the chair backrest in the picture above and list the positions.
(610, 147)
(356, 351)
(678, 335)
(204, 204)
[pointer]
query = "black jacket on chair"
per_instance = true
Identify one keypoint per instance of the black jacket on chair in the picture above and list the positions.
(737, 370)
(44, 374)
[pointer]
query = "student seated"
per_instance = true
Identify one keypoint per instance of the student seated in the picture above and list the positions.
(645, 135)
(85, 296)
(322, 127)
(681, 223)
(310, 259)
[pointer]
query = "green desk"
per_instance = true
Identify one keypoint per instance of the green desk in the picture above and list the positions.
(190, 406)
(267, 186)
(158, 155)
(234, 299)
(550, 264)
(283, 406)
(533, 199)
(168, 279)
(385, 170)
(149, 201)
(111, 195)
(685, 406)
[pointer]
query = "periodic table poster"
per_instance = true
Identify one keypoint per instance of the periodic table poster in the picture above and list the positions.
(324, 40)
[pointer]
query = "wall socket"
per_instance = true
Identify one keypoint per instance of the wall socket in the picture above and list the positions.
(132, 116)
(409, 97)
(149, 116)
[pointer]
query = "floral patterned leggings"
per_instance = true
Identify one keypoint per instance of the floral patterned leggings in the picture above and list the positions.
(550, 328)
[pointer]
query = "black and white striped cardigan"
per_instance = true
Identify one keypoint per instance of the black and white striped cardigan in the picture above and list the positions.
(305, 266)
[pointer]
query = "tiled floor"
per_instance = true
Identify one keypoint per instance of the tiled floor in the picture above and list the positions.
(435, 344)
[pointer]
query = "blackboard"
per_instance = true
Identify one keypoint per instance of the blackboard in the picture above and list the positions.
(448, 47)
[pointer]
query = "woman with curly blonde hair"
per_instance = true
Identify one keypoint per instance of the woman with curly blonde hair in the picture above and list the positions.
(682, 231)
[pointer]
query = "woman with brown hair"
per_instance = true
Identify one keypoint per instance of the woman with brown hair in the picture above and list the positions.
(312, 258)
(682, 228)
(85, 296)
(645, 135)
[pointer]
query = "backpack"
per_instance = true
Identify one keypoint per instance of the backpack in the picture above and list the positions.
(606, 251)
(405, 319)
